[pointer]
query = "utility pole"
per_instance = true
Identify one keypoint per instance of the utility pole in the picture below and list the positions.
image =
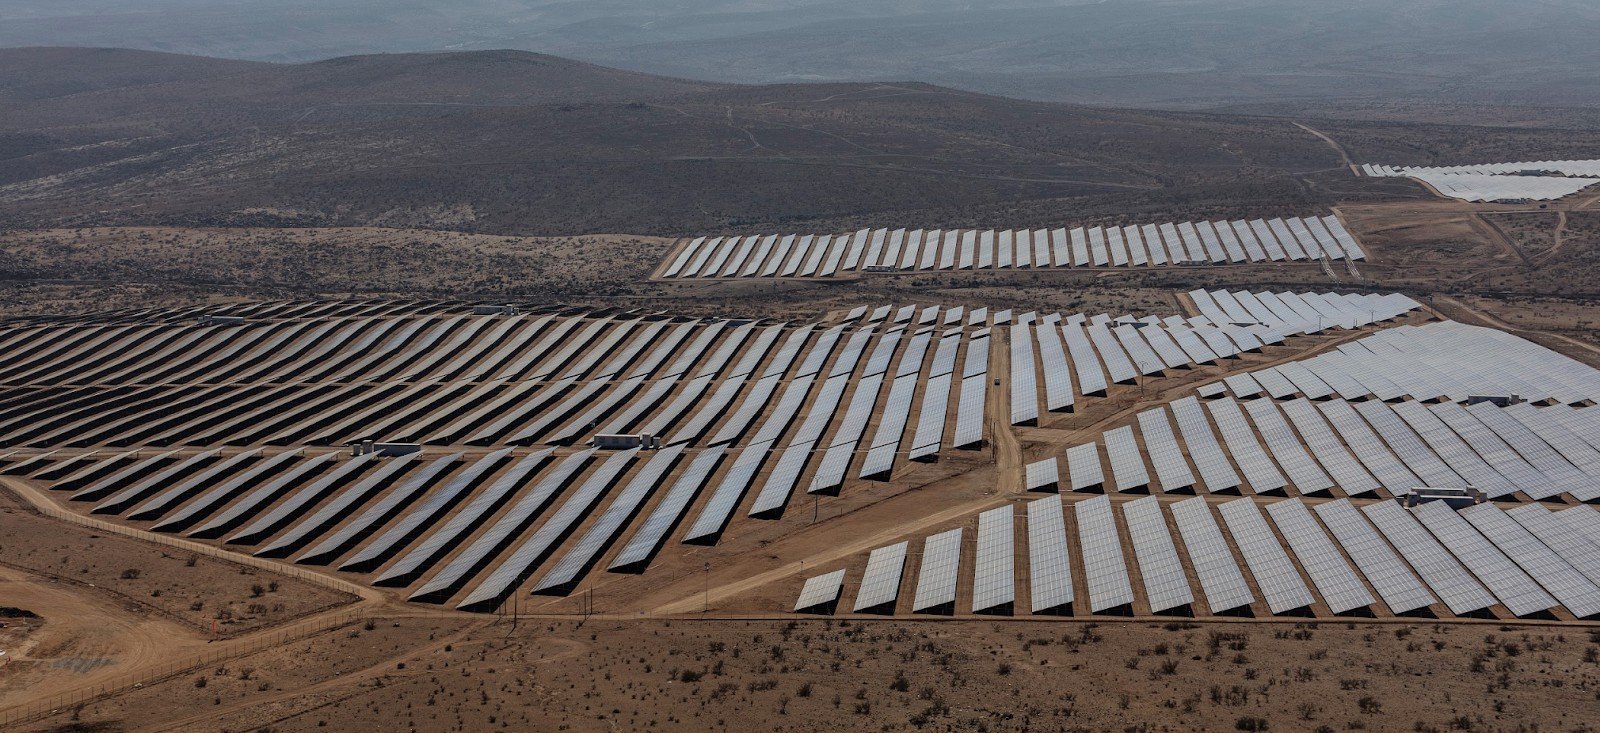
(706, 573)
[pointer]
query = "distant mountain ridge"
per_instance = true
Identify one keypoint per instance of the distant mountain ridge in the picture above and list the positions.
(520, 143)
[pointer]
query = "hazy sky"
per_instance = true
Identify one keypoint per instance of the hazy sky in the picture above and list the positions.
(1186, 53)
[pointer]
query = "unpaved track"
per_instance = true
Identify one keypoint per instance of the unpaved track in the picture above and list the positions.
(157, 658)
(1007, 450)
(1337, 148)
(82, 627)
(700, 599)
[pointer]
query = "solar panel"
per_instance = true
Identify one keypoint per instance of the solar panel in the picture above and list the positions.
(1230, 242)
(1499, 455)
(1104, 567)
(1220, 577)
(880, 584)
(1127, 462)
(215, 498)
(474, 514)
(1459, 590)
(1258, 469)
(753, 264)
(1275, 574)
(994, 567)
(684, 255)
(1307, 476)
(820, 591)
(1136, 251)
(433, 506)
(797, 258)
(1116, 360)
(1341, 589)
(1043, 475)
(621, 510)
(912, 245)
(1143, 356)
(1024, 388)
(527, 556)
(374, 517)
(250, 503)
(1369, 449)
(1091, 378)
(1564, 540)
(1083, 467)
(1005, 250)
(336, 509)
(1099, 256)
(1291, 247)
(1049, 567)
(1175, 244)
(122, 499)
(653, 531)
(1165, 584)
(1195, 248)
(1383, 568)
(969, 414)
(1215, 470)
(1583, 520)
(1080, 248)
(1041, 248)
(1172, 471)
(936, 579)
(1057, 376)
(1350, 476)
(1449, 447)
(948, 252)
(289, 508)
(1520, 594)
(1117, 248)
(1060, 248)
(1549, 460)
(1558, 578)
(1412, 451)
(1192, 345)
(1213, 246)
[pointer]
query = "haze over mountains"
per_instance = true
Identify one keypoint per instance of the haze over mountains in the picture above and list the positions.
(515, 142)
(1285, 54)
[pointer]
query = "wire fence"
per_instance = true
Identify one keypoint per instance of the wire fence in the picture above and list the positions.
(50, 509)
(214, 654)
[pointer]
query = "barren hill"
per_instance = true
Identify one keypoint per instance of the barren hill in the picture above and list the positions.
(513, 142)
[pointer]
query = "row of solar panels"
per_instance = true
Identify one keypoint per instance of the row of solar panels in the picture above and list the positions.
(1077, 356)
(1359, 448)
(1446, 360)
(1320, 559)
(1580, 168)
(828, 255)
(1479, 188)
(675, 379)
(256, 310)
(343, 350)
(815, 389)
(466, 529)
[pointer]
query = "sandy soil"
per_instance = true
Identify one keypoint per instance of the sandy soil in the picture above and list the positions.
(688, 675)
(83, 636)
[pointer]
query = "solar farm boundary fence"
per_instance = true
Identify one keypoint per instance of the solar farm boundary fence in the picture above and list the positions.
(49, 508)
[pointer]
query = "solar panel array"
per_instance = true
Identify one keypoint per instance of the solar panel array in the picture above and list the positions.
(885, 250)
(1543, 180)
(729, 398)
(1328, 559)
